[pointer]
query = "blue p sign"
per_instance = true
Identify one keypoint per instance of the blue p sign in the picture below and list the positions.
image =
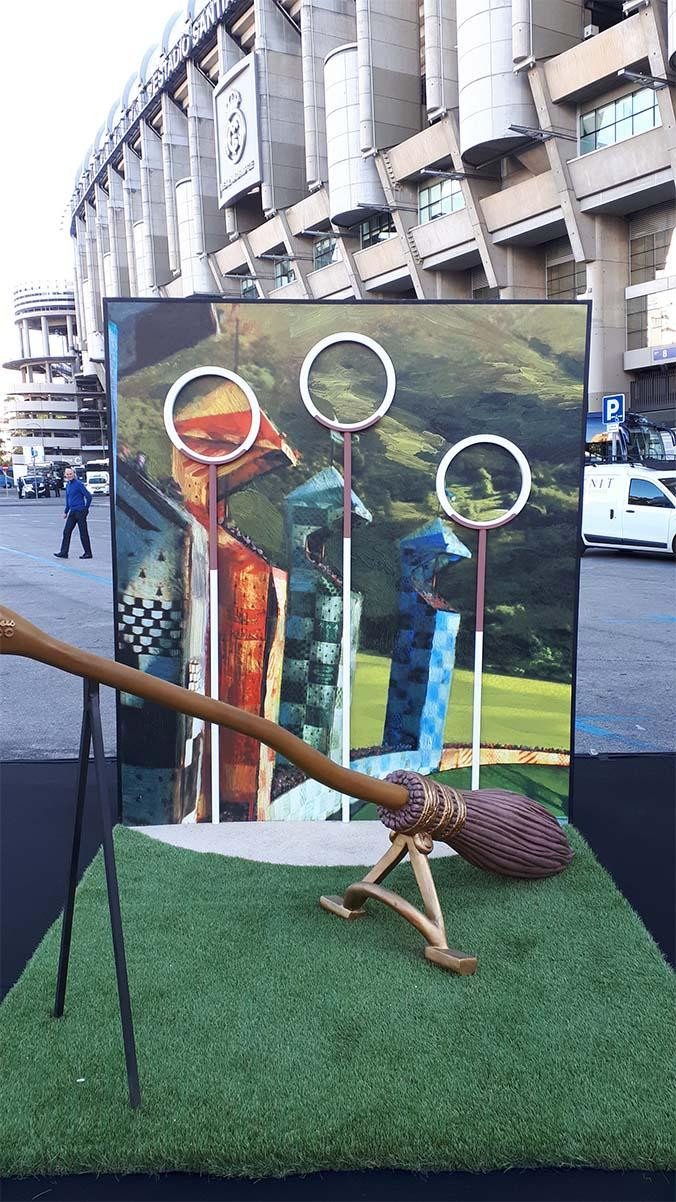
(613, 408)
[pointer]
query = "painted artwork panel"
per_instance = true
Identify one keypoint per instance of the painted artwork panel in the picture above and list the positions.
(512, 370)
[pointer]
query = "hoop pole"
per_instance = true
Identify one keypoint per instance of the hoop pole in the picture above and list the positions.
(214, 730)
(478, 657)
(347, 598)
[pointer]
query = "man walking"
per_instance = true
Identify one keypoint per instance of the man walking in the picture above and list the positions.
(78, 500)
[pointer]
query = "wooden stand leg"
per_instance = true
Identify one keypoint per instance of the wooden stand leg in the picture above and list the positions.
(430, 924)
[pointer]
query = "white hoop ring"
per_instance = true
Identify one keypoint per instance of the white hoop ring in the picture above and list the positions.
(223, 374)
(478, 440)
(390, 386)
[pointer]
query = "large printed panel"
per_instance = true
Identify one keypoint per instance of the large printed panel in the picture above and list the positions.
(511, 370)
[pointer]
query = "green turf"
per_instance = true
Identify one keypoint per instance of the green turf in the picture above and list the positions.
(274, 1038)
(516, 711)
(543, 782)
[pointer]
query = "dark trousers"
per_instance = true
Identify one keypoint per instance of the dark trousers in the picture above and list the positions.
(79, 519)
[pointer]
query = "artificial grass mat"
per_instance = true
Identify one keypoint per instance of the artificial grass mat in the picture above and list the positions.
(274, 1038)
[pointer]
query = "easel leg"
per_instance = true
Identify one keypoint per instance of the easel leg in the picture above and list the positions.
(67, 923)
(114, 901)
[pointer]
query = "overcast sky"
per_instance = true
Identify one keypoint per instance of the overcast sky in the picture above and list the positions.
(63, 66)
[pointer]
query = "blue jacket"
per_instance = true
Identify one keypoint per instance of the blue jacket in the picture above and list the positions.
(78, 498)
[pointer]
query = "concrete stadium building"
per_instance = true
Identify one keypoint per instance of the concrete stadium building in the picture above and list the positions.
(399, 148)
(54, 412)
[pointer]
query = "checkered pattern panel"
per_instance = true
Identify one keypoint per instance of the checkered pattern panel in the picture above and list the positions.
(150, 626)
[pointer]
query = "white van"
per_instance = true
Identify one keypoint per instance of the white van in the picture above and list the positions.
(631, 508)
(98, 483)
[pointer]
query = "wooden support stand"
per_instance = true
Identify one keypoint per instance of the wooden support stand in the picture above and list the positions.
(430, 924)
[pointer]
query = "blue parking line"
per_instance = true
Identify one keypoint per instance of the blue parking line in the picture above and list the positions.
(60, 566)
(589, 727)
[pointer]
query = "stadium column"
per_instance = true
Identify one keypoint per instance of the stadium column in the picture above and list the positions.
(424, 647)
(80, 272)
(119, 266)
(526, 278)
(280, 106)
(607, 278)
(388, 49)
(92, 287)
(209, 233)
(131, 194)
(441, 60)
(154, 238)
(176, 163)
(325, 24)
(102, 240)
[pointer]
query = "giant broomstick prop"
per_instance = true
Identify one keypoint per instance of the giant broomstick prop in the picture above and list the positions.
(494, 829)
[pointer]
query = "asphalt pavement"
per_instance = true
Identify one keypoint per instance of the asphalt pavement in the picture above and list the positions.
(626, 663)
(626, 693)
(40, 707)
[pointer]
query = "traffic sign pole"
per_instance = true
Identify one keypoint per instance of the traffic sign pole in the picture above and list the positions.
(613, 409)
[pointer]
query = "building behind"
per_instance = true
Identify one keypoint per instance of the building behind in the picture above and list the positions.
(399, 148)
(54, 412)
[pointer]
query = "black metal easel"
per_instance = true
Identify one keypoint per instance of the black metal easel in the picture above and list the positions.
(92, 734)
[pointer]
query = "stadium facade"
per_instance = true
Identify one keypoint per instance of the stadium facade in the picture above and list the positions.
(54, 412)
(399, 148)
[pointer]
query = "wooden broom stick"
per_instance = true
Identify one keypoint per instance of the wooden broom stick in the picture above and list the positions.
(19, 637)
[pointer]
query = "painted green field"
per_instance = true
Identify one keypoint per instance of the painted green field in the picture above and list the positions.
(516, 711)
(543, 782)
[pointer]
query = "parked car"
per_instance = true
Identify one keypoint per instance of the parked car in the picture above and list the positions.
(629, 507)
(29, 486)
(98, 483)
(6, 480)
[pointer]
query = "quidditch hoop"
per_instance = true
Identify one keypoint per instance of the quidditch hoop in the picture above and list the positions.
(478, 440)
(390, 385)
(224, 374)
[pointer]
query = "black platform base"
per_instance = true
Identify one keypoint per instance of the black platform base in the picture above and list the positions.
(517, 1185)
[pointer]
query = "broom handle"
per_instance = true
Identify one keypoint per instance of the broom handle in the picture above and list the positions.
(20, 637)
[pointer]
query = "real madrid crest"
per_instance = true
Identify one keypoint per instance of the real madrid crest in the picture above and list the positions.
(235, 134)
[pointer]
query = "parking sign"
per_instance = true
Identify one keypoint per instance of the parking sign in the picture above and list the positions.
(613, 408)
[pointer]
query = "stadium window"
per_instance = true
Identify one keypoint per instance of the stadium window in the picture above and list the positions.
(436, 200)
(649, 255)
(377, 228)
(637, 322)
(325, 251)
(566, 281)
(619, 119)
(284, 273)
(651, 320)
(248, 289)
